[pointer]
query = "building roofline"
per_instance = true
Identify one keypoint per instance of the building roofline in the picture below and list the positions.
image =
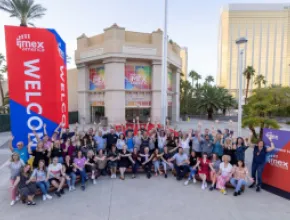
(256, 7)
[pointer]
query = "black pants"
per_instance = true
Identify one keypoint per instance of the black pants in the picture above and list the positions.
(181, 171)
(147, 167)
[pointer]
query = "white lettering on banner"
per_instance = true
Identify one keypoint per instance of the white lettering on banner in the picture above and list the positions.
(62, 96)
(32, 68)
(272, 136)
(33, 104)
(25, 43)
(33, 138)
(28, 94)
(33, 122)
(33, 84)
(279, 163)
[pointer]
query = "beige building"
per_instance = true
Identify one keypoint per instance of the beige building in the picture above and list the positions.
(184, 60)
(267, 28)
(119, 76)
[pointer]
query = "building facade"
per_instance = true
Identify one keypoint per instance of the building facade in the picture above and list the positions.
(184, 60)
(119, 76)
(267, 28)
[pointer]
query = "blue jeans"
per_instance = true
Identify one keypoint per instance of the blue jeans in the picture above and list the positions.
(257, 169)
(156, 165)
(192, 173)
(135, 167)
(72, 180)
(60, 160)
(44, 186)
(83, 175)
(238, 183)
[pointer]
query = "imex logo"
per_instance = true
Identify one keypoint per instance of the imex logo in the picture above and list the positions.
(25, 43)
(272, 136)
(274, 161)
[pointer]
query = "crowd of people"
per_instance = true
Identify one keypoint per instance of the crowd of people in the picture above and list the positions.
(213, 156)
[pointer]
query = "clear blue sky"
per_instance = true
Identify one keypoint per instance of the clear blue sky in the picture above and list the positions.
(191, 23)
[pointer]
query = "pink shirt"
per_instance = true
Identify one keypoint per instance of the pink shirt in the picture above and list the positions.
(47, 145)
(80, 162)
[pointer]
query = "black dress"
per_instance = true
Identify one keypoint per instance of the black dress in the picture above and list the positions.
(124, 162)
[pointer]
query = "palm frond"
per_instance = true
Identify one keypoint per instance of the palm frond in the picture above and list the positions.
(24, 10)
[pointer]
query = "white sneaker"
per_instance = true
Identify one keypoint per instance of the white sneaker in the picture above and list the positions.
(194, 180)
(12, 203)
(48, 196)
(17, 198)
(112, 176)
(202, 186)
(73, 188)
(94, 182)
(115, 176)
(186, 182)
(70, 189)
(43, 197)
(205, 184)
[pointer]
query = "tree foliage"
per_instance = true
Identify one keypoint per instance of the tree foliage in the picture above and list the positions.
(24, 10)
(263, 105)
(204, 99)
(249, 73)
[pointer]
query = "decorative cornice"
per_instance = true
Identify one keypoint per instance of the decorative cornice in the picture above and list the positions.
(114, 60)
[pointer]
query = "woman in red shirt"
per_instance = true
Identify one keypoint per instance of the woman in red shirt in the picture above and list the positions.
(205, 167)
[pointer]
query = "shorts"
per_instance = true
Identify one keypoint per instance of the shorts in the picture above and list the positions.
(28, 190)
(112, 164)
(53, 179)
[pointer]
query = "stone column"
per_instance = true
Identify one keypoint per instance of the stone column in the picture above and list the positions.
(115, 90)
(83, 95)
(156, 91)
(176, 95)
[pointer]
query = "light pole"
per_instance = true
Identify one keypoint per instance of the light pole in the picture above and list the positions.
(164, 70)
(240, 42)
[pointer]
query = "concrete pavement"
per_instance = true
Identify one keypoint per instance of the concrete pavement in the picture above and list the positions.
(154, 199)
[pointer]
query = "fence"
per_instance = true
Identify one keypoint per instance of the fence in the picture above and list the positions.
(5, 120)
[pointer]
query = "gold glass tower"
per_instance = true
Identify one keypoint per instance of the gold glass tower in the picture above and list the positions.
(267, 28)
(184, 60)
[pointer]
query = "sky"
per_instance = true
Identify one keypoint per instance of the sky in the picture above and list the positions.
(191, 23)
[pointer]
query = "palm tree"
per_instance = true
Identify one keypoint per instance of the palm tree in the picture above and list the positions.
(209, 79)
(197, 77)
(248, 73)
(24, 10)
(209, 101)
(192, 75)
(259, 80)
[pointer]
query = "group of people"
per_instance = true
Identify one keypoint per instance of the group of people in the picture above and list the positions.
(213, 156)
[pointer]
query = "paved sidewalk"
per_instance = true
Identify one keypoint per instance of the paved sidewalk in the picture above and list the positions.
(4, 137)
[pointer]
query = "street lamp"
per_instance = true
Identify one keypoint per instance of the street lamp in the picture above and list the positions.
(240, 42)
(164, 70)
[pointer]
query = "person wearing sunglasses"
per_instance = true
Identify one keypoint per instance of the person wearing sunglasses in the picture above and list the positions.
(21, 150)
